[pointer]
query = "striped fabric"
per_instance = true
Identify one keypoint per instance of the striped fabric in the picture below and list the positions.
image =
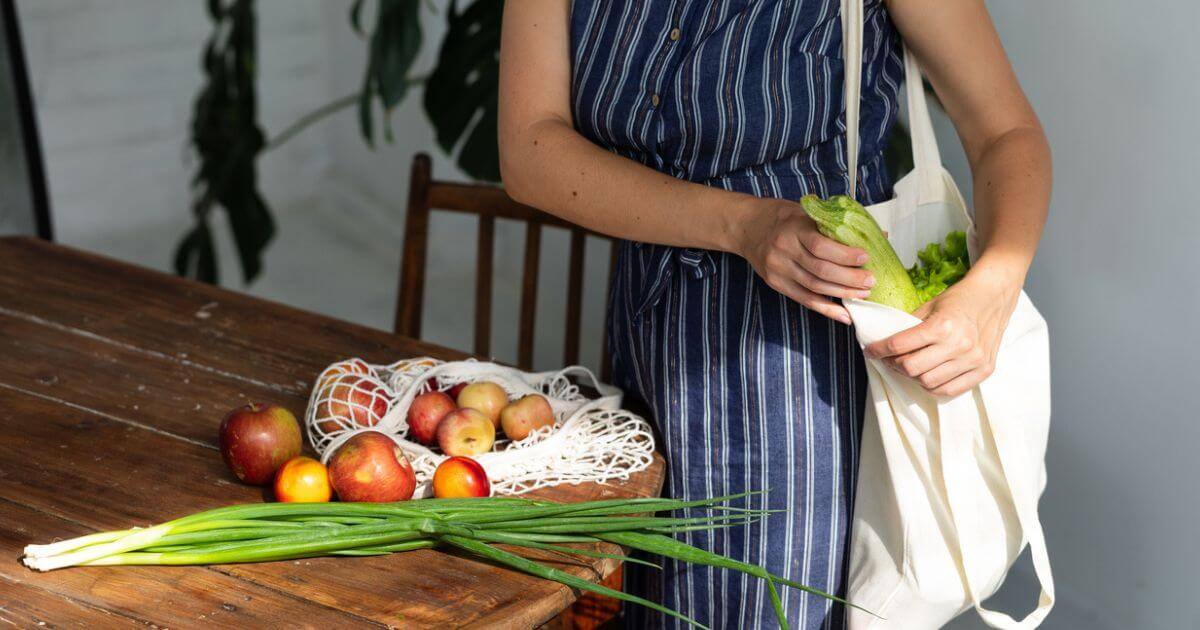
(749, 390)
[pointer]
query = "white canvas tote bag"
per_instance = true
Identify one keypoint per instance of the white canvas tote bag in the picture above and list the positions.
(948, 488)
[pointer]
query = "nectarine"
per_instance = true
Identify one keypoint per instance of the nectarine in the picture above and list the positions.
(302, 480)
(460, 477)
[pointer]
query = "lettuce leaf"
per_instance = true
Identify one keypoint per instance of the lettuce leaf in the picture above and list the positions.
(940, 265)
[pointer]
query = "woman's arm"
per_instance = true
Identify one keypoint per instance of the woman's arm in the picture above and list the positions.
(955, 348)
(547, 164)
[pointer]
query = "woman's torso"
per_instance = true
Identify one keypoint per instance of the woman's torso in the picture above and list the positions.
(748, 389)
(741, 94)
(744, 95)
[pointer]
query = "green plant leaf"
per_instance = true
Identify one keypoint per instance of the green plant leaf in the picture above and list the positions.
(195, 256)
(394, 44)
(534, 568)
(356, 16)
(461, 93)
(227, 140)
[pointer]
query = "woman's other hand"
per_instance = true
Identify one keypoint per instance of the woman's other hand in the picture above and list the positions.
(955, 348)
(784, 247)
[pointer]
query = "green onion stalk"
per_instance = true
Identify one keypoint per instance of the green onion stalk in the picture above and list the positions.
(288, 531)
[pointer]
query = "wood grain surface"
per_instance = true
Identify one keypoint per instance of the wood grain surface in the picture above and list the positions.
(113, 381)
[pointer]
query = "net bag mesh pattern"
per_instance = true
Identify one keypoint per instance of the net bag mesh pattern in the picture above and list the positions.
(592, 440)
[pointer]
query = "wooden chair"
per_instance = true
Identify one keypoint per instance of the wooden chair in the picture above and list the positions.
(489, 202)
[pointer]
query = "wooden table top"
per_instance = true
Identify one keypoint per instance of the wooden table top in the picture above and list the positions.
(113, 381)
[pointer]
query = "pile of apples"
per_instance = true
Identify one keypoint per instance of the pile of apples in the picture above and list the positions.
(261, 444)
(463, 420)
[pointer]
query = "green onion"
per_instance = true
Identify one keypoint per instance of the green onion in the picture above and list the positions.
(288, 531)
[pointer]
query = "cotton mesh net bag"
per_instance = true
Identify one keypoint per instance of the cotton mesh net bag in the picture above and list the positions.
(592, 439)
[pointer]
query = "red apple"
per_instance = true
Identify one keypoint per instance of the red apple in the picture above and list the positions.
(466, 431)
(342, 368)
(426, 411)
(257, 439)
(358, 399)
(455, 390)
(523, 416)
(485, 397)
(370, 467)
(460, 477)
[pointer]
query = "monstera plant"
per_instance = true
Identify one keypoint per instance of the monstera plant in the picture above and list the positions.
(459, 100)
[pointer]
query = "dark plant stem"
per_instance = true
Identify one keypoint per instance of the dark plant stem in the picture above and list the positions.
(322, 112)
(310, 119)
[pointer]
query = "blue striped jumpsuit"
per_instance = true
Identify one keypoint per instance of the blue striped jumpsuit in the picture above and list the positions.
(749, 390)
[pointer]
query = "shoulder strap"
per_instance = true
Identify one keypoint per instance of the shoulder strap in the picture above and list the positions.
(852, 47)
(924, 143)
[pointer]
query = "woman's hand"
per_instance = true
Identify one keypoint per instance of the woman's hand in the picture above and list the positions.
(784, 247)
(955, 348)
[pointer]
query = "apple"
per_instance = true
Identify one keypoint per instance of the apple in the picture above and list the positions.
(257, 439)
(456, 389)
(424, 414)
(520, 418)
(460, 477)
(359, 399)
(371, 467)
(486, 397)
(466, 431)
(302, 480)
(342, 368)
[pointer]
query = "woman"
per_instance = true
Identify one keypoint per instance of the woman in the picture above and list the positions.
(689, 129)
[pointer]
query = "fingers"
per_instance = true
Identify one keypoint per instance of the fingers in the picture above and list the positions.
(943, 374)
(962, 384)
(916, 364)
(825, 248)
(813, 301)
(852, 277)
(824, 287)
(946, 365)
(903, 342)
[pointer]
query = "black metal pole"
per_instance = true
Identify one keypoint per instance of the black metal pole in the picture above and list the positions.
(28, 120)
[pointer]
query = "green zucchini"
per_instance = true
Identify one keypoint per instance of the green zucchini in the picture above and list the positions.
(847, 222)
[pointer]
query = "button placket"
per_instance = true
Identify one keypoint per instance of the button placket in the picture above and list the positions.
(673, 37)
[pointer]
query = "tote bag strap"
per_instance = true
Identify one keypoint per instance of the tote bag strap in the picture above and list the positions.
(926, 157)
(852, 47)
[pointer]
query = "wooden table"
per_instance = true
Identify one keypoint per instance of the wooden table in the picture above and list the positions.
(113, 380)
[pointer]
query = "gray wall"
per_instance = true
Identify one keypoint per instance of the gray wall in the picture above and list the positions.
(1115, 84)
(114, 83)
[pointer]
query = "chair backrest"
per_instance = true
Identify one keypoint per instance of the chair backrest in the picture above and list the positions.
(489, 203)
(24, 204)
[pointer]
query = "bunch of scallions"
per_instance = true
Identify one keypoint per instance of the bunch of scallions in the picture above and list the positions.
(287, 531)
